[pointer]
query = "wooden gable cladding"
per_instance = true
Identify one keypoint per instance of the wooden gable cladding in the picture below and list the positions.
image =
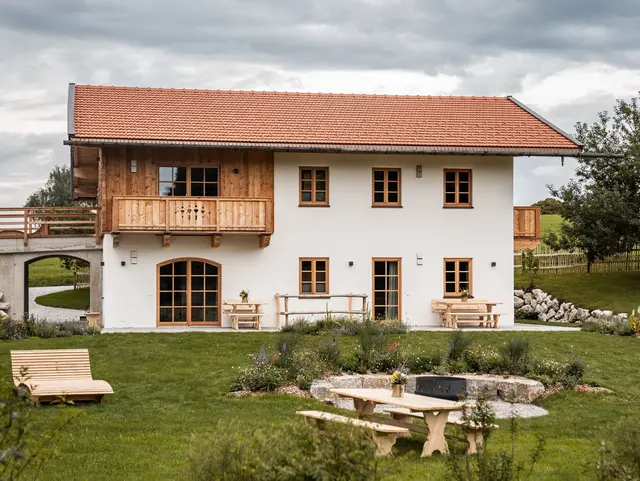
(243, 174)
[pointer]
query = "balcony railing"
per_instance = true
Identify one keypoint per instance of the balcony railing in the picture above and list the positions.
(192, 214)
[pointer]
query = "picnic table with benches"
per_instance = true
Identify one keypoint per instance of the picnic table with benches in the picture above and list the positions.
(454, 311)
(246, 313)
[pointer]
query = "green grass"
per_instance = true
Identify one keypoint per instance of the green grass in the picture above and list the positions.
(171, 388)
(550, 223)
(70, 299)
(538, 322)
(615, 291)
(49, 272)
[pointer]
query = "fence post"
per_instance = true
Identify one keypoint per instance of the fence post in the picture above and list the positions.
(286, 310)
(277, 311)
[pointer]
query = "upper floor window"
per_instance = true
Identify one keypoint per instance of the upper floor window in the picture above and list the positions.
(314, 186)
(188, 181)
(314, 275)
(457, 187)
(457, 276)
(386, 188)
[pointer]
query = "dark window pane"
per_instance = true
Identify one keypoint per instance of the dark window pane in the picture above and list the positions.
(378, 175)
(464, 285)
(464, 265)
(197, 174)
(180, 315)
(450, 288)
(197, 314)
(211, 190)
(449, 187)
(165, 174)
(321, 196)
(211, 270)
(449, 266)
(393, 186)
(464, 277)
(179, 298)
(166, 315)
(380, 298)
(463, 176)
(197, 298)
(306, 265)
(306, 185)
(321, 276)
(392, 175)
(197, 268)
(321, 185)
(306, 276)
(306, 174)
(393, 198)
(306, 287)
(212, 283)
(165, 189)
(379, 283)
(378, 197)
(197, 190)
(450, 277)
(321, 265)
(463, 187)
(197, 283)
(306, 197)
(450, 176)
(463, 198)
(180, 189)
(165, 299)
(321, 174)
(380, 268)
(378, 186)
(165, 284)
(180, 268)
(450, 198)
(211, 314)
(211, 299)
(321, 287)
(180, 174)
(166, 270)
(379, 312)
(211, 174)
(180, 283)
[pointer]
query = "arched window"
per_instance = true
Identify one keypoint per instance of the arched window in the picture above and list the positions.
(189, 292)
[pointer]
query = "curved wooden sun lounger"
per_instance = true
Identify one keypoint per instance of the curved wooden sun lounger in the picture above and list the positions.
(51, 374)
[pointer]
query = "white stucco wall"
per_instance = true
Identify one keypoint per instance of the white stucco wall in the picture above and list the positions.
(349, 230)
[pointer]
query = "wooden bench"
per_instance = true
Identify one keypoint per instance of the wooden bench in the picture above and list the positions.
(474, 440)
(484, 319)
(466, 313)
(52, 374)
(384, 436)
(243, 314)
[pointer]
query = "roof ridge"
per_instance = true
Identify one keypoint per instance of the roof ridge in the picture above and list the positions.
(289, 92)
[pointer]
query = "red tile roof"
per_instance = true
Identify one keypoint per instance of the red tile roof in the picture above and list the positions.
(220, 117)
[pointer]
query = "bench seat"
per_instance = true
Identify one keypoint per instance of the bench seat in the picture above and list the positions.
(384, 436)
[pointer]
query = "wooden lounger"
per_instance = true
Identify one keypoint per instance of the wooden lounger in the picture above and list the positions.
(52, 374)
(384, 436)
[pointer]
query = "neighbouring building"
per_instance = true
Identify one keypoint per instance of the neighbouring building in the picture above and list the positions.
(205, 193)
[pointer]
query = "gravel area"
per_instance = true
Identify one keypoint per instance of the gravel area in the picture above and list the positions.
(56, 314)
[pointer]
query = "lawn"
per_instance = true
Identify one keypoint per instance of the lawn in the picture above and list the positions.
(171, 388)
(616, 291)
(69, 299)
(550, 223)
(49, 272)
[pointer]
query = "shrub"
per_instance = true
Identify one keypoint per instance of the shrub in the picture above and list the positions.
(306, 368)
(459, 344)
(608, 325)
(10, 329)
(619, 458)
(289, 452)
(286, 346)
(47, 330)
(261, 375)
(515, 356)
(303, 326)
(484, 360)
(329, 354)
(423, 362)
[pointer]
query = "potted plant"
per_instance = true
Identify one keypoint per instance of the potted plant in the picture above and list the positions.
(244, 295)
(465, 295)
(398, 381)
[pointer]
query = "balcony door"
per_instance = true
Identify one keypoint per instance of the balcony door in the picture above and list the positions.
(189, 293)
(387, 288)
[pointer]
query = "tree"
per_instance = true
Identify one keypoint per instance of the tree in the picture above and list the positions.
(548, 206)
(57, 192)
(601, 207)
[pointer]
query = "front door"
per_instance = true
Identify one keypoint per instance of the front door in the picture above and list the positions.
(387, 288)
(189, 292)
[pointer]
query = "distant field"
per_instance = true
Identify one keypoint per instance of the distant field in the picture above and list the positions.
(71, 299)
(549, 223)
(49, 272)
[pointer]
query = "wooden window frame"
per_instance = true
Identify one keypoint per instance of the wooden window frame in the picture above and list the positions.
(313, 202)
(188, 182)
(314, 281)
(457, 260)
(457, 192)
(386, 202)
(373, 283)
(188, 292)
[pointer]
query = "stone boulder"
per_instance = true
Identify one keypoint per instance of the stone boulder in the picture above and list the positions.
(526, 310)
(582, 314)
(537, 292)
(528, 297)
(550, 316)
(517, 302)
(4, 306)
(533, 303)
(518, 293)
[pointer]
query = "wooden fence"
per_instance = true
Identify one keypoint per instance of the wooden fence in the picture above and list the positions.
(81, 278)
(576, 261)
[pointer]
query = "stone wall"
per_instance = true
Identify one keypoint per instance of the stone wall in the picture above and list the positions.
(4, 308)
(548, 308)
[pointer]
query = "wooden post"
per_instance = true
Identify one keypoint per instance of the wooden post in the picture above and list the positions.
(350, 306)
(277, 311)
(26, 215)
(166, 215)
(97, 228)
(286, 310)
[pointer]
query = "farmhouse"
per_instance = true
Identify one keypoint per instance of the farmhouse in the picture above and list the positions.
(202, 194)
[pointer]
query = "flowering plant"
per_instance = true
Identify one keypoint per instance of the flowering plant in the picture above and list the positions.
(634, 320)
(399, 378)
(244, 294)
(465, 294)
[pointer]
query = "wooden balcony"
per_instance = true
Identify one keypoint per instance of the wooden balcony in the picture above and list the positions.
(193, 215)
(526, 227)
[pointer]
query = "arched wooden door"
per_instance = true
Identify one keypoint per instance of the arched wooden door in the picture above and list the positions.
(189, 292)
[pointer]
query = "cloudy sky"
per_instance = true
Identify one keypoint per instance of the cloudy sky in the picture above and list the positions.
(566, 59)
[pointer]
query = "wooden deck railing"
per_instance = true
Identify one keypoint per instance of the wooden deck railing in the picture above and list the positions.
(33, 222)
(201, 214)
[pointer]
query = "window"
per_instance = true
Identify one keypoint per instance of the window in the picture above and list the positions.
(189, 292)
(457, 276)
(314, 275)
(386, 188)
(188, 181)
(314, 186)
(457, 188)
(386, 288)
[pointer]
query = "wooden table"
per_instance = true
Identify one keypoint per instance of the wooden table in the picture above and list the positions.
(435, 411)
(452, 303)
(243, 312)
